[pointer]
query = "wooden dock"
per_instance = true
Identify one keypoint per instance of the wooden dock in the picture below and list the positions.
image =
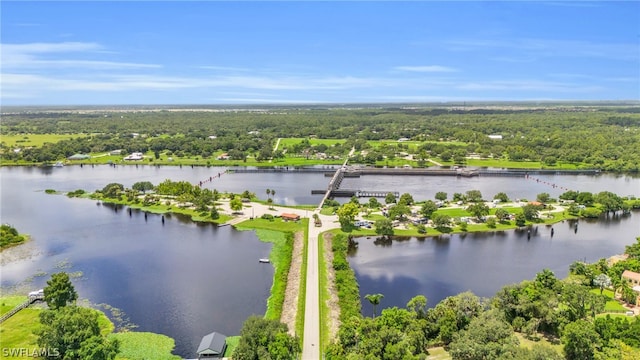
(29, 301)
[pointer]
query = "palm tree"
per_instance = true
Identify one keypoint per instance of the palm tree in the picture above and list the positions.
(374, 299)
(269, 193)
(616, 284)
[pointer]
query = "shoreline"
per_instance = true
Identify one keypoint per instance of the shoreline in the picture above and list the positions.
(307, 163)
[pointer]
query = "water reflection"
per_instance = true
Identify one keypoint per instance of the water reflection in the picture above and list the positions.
(445, 265)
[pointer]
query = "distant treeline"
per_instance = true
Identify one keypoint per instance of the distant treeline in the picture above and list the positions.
(602, 138)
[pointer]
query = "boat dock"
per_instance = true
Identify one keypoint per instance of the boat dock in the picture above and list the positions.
(33, 297)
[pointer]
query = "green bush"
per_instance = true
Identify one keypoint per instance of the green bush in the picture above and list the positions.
(590, 213)
(10, 236)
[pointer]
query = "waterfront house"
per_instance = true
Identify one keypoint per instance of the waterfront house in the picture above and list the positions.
(290, 217)
(212, 346)
(634, 281)
(632, 277)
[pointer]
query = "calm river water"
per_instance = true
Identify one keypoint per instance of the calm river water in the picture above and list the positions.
(186, 280)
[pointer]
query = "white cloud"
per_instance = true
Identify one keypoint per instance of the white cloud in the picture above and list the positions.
(30, 56)
(531, 47)
(426, 68)
(42, 48)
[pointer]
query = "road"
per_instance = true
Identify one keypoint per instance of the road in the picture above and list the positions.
(311, 341)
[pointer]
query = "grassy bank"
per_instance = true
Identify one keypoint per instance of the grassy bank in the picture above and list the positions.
(17, 332)
(346, 282)
(162, 209)
(323, 281)
(280, 233)
(302, 292)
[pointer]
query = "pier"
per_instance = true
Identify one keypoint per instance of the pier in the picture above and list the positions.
(39, 296)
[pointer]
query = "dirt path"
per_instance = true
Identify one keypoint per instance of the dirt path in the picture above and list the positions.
(290, 305)
(332, 302)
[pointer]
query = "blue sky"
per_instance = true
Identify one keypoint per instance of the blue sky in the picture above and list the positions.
(207, 52)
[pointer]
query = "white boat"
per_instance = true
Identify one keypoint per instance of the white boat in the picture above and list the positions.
(58, 164)
(263, 260)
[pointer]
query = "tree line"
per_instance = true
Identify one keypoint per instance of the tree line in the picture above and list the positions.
(589, 137)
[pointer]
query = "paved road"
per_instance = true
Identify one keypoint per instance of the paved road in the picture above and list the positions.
(311, 341)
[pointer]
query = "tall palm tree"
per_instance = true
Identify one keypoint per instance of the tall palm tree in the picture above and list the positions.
(269, 193)
(374, 299)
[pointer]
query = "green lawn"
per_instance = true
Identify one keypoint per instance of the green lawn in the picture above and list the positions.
(503, 163)
(17, 331)
(36, 140)
(285, 142)
(612, 305)
(524, 342)
(276, 224)
(9, 302)
(232, 344)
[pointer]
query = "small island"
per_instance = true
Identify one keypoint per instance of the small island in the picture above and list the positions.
(9, 237)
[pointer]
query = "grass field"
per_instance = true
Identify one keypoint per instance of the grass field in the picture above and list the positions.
(9, 302)
(302, 291)
(285, 142)
(17, 331)
(36, 140)
(524, 342)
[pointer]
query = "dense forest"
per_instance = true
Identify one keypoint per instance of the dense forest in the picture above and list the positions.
(606, 138)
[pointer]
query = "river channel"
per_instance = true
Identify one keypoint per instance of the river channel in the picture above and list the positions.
(186, 280)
